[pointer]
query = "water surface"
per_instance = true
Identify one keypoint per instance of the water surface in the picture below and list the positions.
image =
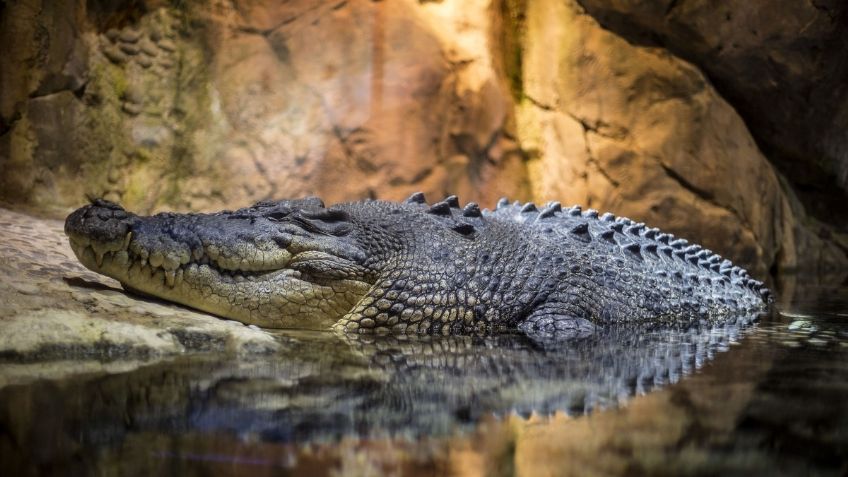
(766, 396)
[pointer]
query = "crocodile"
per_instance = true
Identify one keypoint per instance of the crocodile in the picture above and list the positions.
(381, 267)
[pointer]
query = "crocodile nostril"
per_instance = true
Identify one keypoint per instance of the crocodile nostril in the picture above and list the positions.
(101, 221)
(109, 214)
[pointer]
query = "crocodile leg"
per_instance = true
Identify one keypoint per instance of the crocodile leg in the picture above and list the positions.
(551, 324)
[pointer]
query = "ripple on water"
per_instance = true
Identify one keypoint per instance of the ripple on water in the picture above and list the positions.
(766, 398)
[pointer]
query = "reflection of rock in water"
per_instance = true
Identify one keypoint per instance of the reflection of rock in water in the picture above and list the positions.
(323, 387)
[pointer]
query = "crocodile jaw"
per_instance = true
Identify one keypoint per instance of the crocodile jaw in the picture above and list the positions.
(281, 298)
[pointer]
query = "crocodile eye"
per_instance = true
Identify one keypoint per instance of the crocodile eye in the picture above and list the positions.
(276, 216)
(283, 241)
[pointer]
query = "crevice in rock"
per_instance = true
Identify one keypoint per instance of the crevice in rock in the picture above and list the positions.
(265, 175)
(701, 193)
(587, 128)
(345, 138)
(823, 9)
(75, 92)
(540, 104)
(672, 6)
(590, 160)
(6, 127)
(267, 32)
(465, 144)
(101, 350)
(708, 197)
(599, 127)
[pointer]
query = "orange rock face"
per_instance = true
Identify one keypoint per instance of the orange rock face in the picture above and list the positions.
(216, 105)
(638, 131)
(354, 100)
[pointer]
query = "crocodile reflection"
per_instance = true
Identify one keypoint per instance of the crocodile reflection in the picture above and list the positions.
(327, 386)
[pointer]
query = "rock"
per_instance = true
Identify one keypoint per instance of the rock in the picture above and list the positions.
(144, 62)
(632, 129)
(430, 111)
(37, 60)
(48, 129)
(148, 47)
(129, 36)
(166, 63)
(167, 45)
(133, 94)
(129, 48)
(114, 54)
(781, 63)
(801, 325)
(132, 109)
(155, 33)
(59, 334)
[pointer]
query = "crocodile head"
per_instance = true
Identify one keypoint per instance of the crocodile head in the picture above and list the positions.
(290, 263)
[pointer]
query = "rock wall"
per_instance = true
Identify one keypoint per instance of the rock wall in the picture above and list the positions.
(783, 64)
(208, 105)
(637, 130)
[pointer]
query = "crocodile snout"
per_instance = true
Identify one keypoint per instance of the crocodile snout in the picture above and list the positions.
(102, 225)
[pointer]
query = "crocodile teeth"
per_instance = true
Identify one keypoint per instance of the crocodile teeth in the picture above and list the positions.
(170, 275)
(127, 240)
(171, 262)
(98, 256)
(156, 259)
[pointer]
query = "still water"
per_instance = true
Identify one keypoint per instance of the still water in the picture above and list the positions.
(758, 396)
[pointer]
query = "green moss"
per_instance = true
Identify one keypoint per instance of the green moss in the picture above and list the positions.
(144, 156)
(120, 83)
(192, 103)
(113, 79)
(143, 186)
(512, 42)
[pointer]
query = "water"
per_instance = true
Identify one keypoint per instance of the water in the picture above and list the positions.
(747, 398)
